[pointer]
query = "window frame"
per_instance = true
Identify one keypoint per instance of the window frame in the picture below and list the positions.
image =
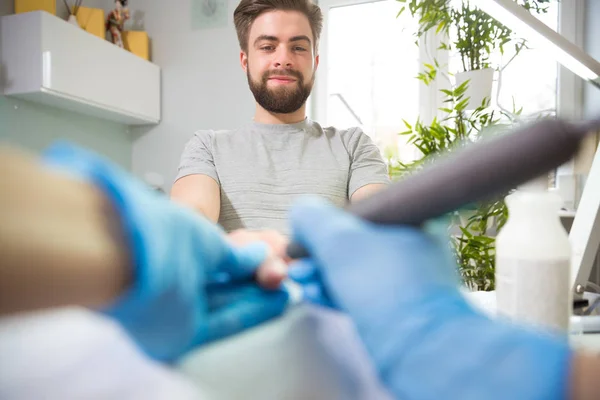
(569, 86)
(569, 98)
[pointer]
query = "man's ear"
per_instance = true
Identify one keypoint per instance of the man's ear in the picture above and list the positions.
(244, 61)
(316, 62)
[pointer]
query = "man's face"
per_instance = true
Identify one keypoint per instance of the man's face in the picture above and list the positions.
(281, 61)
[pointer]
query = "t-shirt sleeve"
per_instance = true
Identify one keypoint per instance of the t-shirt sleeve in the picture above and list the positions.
(366, 163)
(197, 156)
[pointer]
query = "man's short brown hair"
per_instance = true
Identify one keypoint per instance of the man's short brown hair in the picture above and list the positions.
(248, 10)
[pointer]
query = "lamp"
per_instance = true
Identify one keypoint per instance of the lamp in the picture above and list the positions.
(519, 20)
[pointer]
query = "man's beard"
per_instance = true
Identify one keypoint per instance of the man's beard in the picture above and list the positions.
(282, 100)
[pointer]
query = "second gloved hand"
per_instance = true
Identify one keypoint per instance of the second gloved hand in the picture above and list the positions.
(190, 285)
(399, 285)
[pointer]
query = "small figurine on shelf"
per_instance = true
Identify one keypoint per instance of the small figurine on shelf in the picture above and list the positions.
(116, 20)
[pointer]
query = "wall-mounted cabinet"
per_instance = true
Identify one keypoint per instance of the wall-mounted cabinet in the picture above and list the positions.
(47, 60)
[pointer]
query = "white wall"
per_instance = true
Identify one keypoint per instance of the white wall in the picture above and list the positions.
(203, 85)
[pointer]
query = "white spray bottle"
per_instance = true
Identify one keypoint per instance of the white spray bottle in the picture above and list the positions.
(533, 259)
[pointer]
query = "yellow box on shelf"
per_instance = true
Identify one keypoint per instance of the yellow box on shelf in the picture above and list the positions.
(23, 6)
(138, 43)
(92, 21)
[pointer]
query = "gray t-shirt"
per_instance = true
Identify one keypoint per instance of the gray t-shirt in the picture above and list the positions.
(262, 168)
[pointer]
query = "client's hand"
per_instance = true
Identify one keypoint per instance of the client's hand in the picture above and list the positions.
(399, 286)
(190, 285)
(274, 269)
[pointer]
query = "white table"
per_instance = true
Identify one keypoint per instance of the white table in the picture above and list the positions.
(75, 354)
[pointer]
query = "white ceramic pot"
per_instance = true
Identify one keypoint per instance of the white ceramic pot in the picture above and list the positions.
(73, 20)
(480, 85)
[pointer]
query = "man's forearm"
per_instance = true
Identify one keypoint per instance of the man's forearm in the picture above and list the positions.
(60, 240)
(199, 192)
(585, 377)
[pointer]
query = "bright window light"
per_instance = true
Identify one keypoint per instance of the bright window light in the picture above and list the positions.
(533, 30)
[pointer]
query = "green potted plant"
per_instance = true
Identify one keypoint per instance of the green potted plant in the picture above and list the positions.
(467, 117)
(473, 239)
(473, 34)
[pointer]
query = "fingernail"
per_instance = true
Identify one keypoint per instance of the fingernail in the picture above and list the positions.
(278, 268)
(272, 272)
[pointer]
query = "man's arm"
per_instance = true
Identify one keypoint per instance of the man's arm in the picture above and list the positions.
(368, 171)
(200, 192)
(366, 191)
(197, 182)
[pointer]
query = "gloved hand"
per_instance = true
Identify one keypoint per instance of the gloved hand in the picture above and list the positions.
(399, 286)
(191, 286)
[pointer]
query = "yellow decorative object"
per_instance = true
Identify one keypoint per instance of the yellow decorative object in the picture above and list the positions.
(92, 21)
(138, 43)
(23, 6)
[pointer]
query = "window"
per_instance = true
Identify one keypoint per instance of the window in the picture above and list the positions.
(372, 62)
(529, 79)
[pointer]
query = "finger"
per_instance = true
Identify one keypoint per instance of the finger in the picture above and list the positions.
(303, 271)
(315, 293)
(240, 262)
(276, 241)
(240, 315)
(306, 273)
(273, 269)
(271, 272)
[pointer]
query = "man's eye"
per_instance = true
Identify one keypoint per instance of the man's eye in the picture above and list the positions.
(267, 48)
(299, 48)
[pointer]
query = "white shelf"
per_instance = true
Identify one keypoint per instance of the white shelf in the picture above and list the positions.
(47, 60)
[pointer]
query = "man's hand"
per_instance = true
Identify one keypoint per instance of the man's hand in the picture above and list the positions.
(274, 269)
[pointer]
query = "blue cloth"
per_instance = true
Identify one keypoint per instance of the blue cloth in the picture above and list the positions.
(190, 285)
(399, 285)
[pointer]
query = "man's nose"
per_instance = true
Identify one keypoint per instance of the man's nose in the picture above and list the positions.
(283, 58)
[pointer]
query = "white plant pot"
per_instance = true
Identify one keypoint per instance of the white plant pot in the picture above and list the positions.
(73, 20)
(480, 85)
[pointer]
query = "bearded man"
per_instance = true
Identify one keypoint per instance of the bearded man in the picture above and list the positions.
(247, 178)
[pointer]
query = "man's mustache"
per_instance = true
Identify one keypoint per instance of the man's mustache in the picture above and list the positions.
(283, 72)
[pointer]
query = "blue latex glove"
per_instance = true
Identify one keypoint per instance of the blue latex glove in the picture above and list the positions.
(399, 286)
(190, 285)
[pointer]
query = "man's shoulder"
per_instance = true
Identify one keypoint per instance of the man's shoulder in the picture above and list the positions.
(348, 136)
(212, 133)
(208, 137)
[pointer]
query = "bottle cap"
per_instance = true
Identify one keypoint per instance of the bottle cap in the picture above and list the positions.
(539, 184)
